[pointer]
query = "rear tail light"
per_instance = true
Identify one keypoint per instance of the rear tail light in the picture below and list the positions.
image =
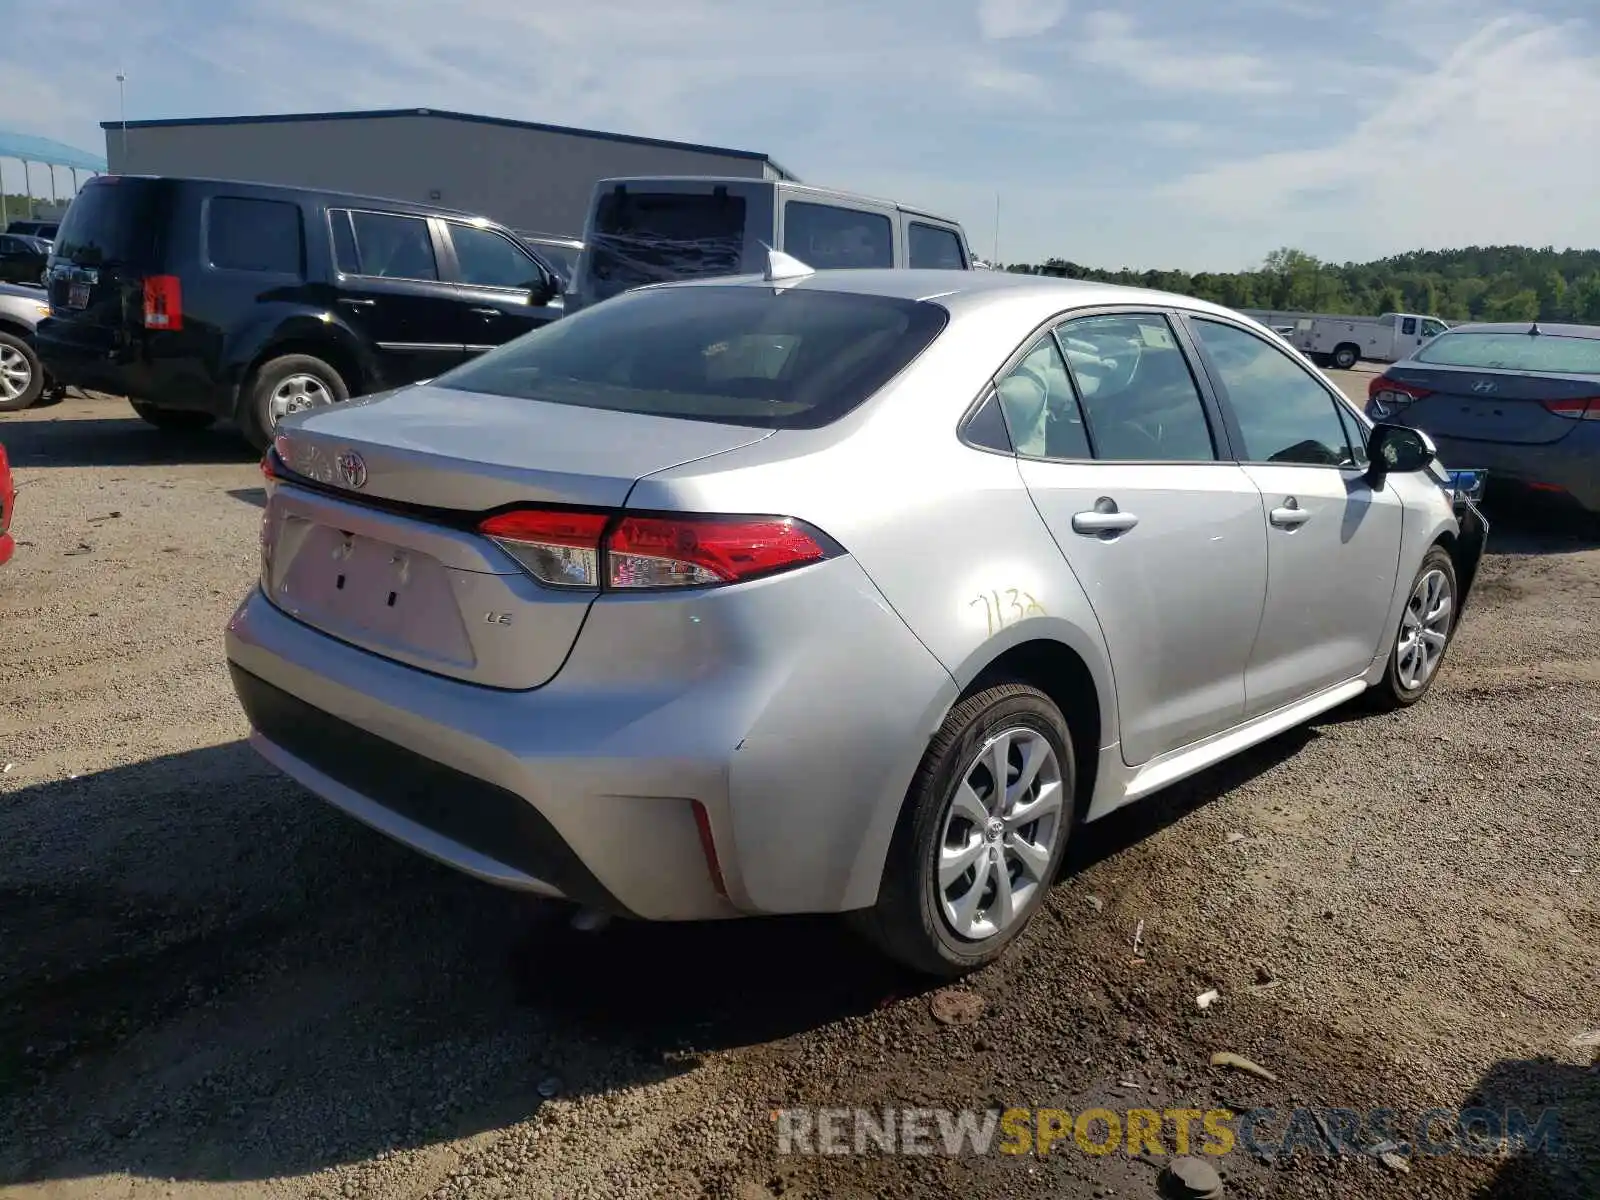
(1585, 409)
(163, 302)
(555, 546)
(621, 552)
(1386, 396)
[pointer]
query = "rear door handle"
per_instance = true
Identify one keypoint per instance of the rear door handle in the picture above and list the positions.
(354, 303)
(1105, 519)
(1289, 515)
(485, 312)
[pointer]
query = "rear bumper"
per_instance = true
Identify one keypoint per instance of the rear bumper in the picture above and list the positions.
(795, 736)
(96, 360)
(1570, 467)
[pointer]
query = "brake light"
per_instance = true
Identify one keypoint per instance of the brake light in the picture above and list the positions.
(163, 302)
(268, 469)
(1386, 396)
(652, 552)
(556, 546)
(1586, 408)
(614, 551)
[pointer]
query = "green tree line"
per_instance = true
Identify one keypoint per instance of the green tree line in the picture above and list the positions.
(1479, 283)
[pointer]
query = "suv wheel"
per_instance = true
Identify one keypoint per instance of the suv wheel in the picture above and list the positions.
(981, 836)
(21, 374)
(283, 386)
(175, 419)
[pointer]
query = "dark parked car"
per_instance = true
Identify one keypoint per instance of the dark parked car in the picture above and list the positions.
(22, 258)
(1520, 401)
(200, 298)
(38, 229)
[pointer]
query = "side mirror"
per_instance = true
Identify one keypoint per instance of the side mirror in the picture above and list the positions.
(1398, 449)
(543, 290)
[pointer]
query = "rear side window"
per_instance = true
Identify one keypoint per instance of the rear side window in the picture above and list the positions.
(1544, 353)
(796, 359)
(652, 237)
(1408, 326)
(1139, 395)
(254, 235)
(383, 245)
(929, 246)
(825, 236)
(111, 223)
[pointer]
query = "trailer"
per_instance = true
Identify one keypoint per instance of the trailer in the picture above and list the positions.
(1342, 341)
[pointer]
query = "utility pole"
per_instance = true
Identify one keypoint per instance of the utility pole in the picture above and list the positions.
(122, 104)
(994, 260)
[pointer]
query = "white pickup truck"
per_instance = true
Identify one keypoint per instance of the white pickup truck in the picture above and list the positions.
(1343, 341)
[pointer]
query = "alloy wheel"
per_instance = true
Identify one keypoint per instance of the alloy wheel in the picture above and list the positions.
(1424, 630)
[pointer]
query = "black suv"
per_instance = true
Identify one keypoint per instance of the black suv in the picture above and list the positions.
(201, 298)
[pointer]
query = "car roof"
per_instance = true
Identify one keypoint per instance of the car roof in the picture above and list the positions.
(961, 289)
(245, 185)
(788, 185)
(1555, 329)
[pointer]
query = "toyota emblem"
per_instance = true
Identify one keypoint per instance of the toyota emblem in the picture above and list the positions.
(1484, 386)
(352, 469)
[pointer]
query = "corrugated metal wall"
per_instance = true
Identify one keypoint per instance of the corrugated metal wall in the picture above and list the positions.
(525, 178)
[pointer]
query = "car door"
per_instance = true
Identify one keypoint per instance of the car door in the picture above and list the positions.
(1333, 543)
(504, 290)
(1130, 469)
(20, 260)
(392, 292)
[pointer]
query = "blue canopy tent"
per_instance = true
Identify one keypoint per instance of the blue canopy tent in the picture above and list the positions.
(30, 150)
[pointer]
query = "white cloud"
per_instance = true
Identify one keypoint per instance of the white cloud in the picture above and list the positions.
(999, 20)
(1498, 142)
(1112, 42)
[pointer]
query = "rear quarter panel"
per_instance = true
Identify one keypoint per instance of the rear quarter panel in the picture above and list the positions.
(947, 534)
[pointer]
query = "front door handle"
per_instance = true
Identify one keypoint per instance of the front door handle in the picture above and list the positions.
(1289, 515)
(485, 312)
(354, 303)
(1104, 520)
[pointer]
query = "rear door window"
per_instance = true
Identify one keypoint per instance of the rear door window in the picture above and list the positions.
(650, 237)
(798, 359)
(384, 245)
(828, 237)
(254, 235)
(111, 223)
(932, 246)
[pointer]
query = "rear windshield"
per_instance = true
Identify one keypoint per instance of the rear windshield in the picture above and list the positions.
(110, 223)
(795, 359)
(654, 237)
(1544, 353)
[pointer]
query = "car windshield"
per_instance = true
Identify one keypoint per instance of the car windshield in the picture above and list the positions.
(1540, 354)
(777, 359)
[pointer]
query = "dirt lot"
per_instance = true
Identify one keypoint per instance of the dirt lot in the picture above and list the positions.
(212, 985)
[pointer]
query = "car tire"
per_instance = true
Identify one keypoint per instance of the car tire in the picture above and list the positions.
(1401, 685)
(175, 420)
(21, 374)
(1346, 357)
(912, 921)
(308, 376)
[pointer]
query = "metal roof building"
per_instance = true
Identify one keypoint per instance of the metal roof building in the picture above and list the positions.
(525, 174)
(33, 151)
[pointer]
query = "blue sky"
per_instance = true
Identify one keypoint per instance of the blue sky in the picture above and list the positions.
(1150, 133)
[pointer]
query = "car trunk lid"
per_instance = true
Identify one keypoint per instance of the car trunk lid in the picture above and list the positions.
(371, 537)
(1483, 405)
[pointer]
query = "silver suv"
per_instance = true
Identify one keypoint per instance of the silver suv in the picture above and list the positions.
(848, 591)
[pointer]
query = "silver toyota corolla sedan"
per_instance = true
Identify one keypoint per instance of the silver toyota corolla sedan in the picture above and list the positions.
(844, 591)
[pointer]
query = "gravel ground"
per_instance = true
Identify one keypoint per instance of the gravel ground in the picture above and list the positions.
(212, 985)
